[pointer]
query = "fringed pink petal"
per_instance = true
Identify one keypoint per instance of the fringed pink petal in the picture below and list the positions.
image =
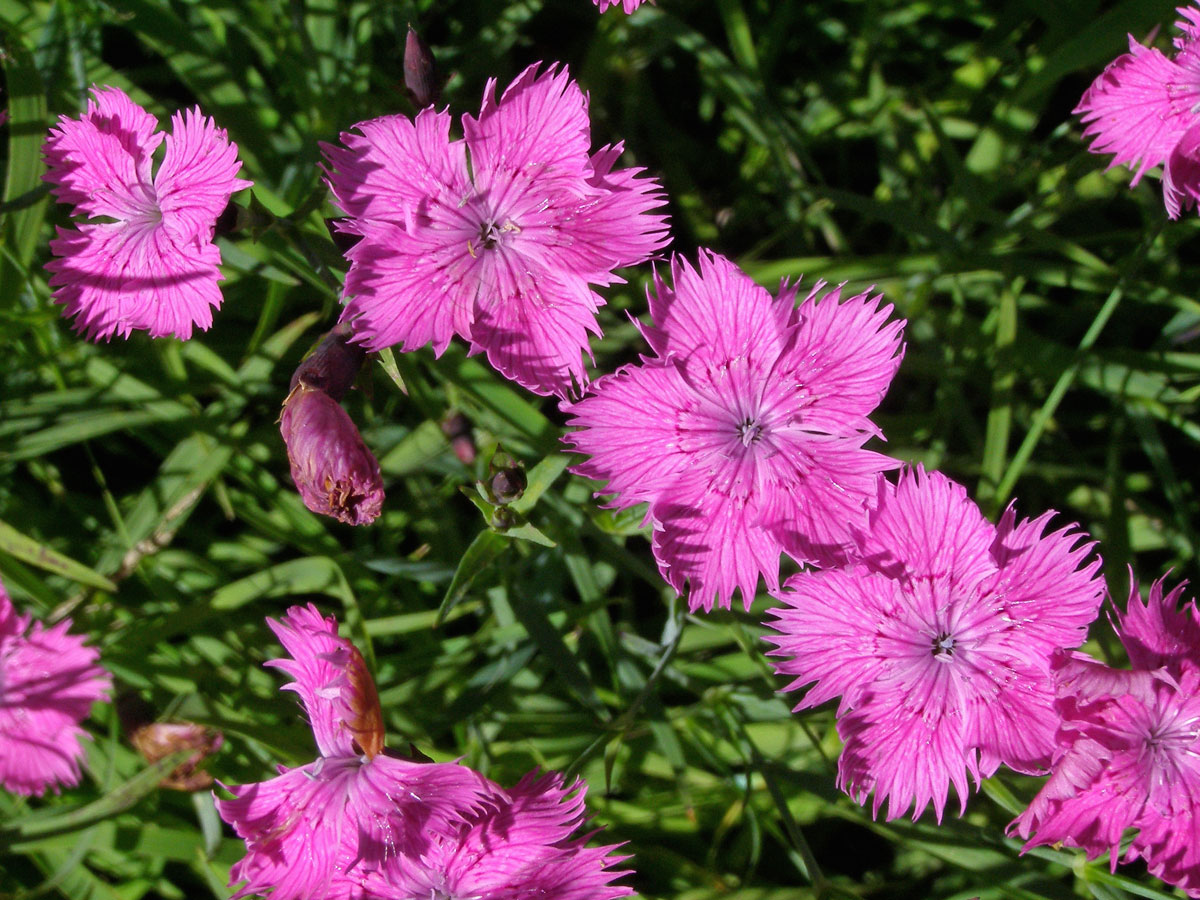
(541, 120)
(1051, 582)
(394, 169)
(317, 665)
(851, 350)
(197, 177)
(100, 162)
(1158, 632)
(712, 543)
(839, 655)
(929, 527)
(641, 461)
(1139, 107)
(716, 315)
(116, 279)
(48, 683)
(909, 761)
(534, 327)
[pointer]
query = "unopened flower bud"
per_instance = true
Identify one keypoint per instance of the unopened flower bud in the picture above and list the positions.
(333, 469)
(333, 366)
(420, 75)
(503, 518)
(506, 478)
(508, 484)
(458, 430)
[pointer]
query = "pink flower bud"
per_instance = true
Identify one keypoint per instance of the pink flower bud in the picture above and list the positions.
(333, 469)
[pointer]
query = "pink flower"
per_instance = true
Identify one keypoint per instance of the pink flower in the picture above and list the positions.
(48, 682)
(149, 263)
(744, 434)
(938, 642)
(523, 846)
(318, 831)
(497, 237)
(333, 469)
(1143, 109)
(1128, 747)
(628, 5)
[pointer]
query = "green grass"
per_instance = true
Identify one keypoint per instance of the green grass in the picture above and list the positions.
(926, 148)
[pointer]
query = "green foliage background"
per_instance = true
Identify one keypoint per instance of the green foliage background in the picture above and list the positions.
(923, 146)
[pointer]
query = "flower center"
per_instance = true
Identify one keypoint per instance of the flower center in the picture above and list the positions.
(1171, 737)
(943, 647)
(490, 235)
(749, 432)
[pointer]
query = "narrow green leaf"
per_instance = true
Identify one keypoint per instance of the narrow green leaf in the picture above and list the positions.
(25, 833)
(26, 548)
(313, 575)
(483, 551)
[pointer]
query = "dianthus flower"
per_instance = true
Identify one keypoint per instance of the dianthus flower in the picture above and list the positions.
(744, 433)
(938, 641)
(318, 831)
(1127, 751)
(497, 237)
(1145, 109)
(628, 5)
(149, 263)
(523, 845)
(48, 683)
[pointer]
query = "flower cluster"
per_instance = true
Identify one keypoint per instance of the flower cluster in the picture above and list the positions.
(497, 237)
(151, 264)
(946, 641)
(359, 821)
(744, 432)
(1127, 750)
(1145, 110)
(48, 683)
